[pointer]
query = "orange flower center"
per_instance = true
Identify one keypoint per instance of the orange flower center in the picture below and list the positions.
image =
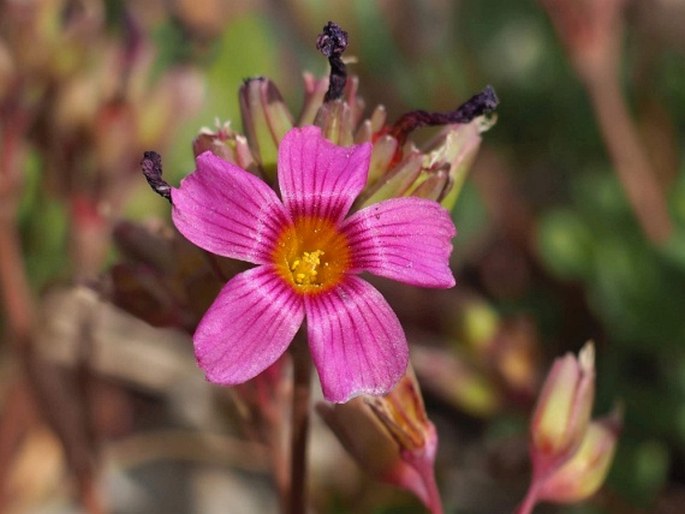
(311, 255)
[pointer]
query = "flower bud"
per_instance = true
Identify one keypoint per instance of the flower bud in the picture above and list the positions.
(398, 181)
(224, 142)
(161, 108)
(7, 69)
(315, 90)
(266, 119)
(456, 381)
(335, 120)
(391, 437)
(384, 150)
(434, 187)
(563, 410)
(583, 474)
(455, 150)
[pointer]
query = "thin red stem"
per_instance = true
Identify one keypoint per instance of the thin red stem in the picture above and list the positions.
(530, 500)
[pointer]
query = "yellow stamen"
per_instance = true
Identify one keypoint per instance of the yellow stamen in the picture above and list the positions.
(305, 269)
(311, 255)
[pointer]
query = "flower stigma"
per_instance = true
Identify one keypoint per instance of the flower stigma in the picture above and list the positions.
(311, 255)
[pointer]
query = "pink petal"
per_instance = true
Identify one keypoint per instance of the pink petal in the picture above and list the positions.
(406, 239)
(228, 211)
(318, 178)
(248, 327)
(356, 341)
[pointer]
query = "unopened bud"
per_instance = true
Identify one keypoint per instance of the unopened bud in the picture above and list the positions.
(335, 120)
(434, 187)
(224, 142)
(391, 437)
(584, 473)
(564, 407)
(399, 181)
(266, 119)
(456, 148)
(315, 90)
(456, 381)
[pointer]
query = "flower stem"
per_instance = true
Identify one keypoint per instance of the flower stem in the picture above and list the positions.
(529, 502)
(300, 426)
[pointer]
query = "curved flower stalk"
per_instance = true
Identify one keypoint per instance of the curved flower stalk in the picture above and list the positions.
(308, 255)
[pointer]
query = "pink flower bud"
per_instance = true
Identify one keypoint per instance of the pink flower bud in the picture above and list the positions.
(224, 142)
(391, 437)
(563, 410)
(583, 474)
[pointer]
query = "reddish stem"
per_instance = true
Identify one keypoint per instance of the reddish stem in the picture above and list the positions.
(530, 500)
(297, 503)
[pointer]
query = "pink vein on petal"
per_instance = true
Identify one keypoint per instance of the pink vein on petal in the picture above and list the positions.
(249, 325)
(228, 211)
(356, 341)
(317, 177)
(405, 239)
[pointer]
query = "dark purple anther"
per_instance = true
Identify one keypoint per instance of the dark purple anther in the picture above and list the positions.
(152, 169)
(332, 43)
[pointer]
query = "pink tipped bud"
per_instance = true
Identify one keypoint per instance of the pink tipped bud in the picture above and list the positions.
(227, 144)
(315, 89)
(583, 474)
(563, 410)
(391, 437)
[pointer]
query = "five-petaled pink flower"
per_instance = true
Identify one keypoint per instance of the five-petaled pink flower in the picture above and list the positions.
(308, 256)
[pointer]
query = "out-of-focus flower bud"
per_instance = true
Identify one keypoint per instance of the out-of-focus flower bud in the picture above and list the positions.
(7, 69)
(263, 402)
(150, 245)
(514, 354)
(583, 474)
(456, 381)
(164, 279)
(479, 323)
(314, 90)
(563, 409)
(391, 437)
(177, 96)
(570, 454)
(266, 119)
(227, 144)
(206, 18)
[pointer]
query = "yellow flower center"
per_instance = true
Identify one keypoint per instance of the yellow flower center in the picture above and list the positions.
(311, 255)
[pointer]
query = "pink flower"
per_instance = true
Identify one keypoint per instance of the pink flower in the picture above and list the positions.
(308, 256)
